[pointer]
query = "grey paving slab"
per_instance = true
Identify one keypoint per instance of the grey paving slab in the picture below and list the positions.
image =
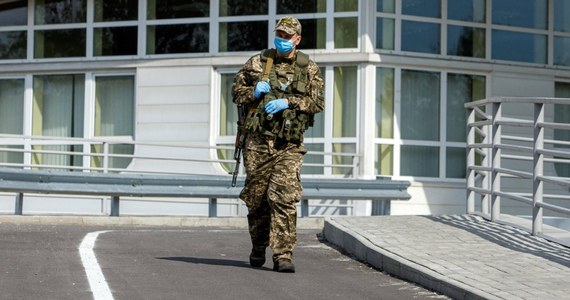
(464, 257)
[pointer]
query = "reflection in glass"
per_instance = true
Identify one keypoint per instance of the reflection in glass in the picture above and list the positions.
(345, 5)
(385, 33)
(116, 10)
(521, 13)
(456, 161)
(466, 10)
(420, 161)
(13, 44)
(299, 7)
(313, 159)
(14, 13)
(529, 47)
(314, 34)
(420, 37)
(384, 103)
(562, 15)
(179, 38)
(12, 106)
(243, 7)
(174, 9)
(386, 6)
(232, 36)
(59, 43)
(420, 105)
(344, 102)
(60, 11)
(424, 8)
(562, 51)
(465, 41)
(345, 33)
(461, 89)
(228, 110)
(115, 41)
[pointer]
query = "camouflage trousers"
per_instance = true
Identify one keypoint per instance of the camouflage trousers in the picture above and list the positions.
(271, 192)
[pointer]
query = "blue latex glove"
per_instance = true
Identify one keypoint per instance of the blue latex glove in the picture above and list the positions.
(262, 87)
(276, 105)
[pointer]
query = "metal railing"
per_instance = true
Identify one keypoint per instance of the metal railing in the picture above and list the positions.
(76, 178)
(505, 142)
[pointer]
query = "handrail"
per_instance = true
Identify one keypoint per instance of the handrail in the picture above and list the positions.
(488, 136)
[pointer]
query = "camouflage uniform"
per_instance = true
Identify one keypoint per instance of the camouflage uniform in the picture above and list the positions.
(273, 187)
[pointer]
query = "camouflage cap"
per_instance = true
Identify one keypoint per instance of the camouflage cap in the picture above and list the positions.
(289, 24)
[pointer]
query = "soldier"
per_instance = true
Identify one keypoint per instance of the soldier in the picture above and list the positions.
(282, 90)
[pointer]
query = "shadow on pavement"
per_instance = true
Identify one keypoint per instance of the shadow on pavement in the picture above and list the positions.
(509, 237)
(209, 261)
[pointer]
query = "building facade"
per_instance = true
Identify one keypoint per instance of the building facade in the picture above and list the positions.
(397, 74)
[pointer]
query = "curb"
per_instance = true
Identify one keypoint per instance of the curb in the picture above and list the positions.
(396, 265)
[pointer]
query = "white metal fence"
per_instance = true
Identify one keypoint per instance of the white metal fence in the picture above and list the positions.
(518, 156)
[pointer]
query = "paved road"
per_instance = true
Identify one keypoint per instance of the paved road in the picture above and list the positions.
(44, 262)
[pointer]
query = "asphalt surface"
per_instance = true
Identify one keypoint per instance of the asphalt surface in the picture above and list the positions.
(42, 261)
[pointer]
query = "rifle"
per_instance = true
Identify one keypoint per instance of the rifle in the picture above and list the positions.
(240, 140)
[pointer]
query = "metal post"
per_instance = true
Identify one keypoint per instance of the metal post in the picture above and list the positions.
(538, 161)
(114, 206)
(19, 204)
(470, 161)
(105, 157)
(381, 207)
(213, 208)
(304, 208)
(496, 163)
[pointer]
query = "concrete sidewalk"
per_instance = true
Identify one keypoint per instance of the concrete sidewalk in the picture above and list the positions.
(464, 257)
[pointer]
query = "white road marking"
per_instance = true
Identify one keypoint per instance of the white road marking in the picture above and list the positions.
(97, 282)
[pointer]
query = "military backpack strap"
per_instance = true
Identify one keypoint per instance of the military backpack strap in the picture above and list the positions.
(267, 56)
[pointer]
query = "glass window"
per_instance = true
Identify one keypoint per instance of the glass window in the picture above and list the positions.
(339, 159)
(529, 47)
(465, 41)
(344, 99)
(178, 38)
(420, 161)
(424, 8)
(420, 105)
(228, 119)
(243, 7)
(562, 51)
(59, 43)
(384, 160)
(60, 11)
(521, 13)
(384, 103)
(12, 106)
(175, 9)
(114, 116)
(345, 33)
(386, 6)
(562, 115)
(299, 7)
(313, 159)
(420, 37)
(456, 162)
(346, 5)
(116, 10)
(314, 34)
(115, 41)
(13, 44)
(14, 13)
(58, 111)
(460, 90)
(232, 36)
(562, 15)
(466, 10)
(385, 33)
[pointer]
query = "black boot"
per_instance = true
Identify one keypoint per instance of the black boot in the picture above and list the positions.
(284, 265)
(257, 258)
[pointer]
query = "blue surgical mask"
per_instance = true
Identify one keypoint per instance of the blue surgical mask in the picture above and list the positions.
(282, 45)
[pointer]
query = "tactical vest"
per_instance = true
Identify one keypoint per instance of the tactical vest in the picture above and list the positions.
(288, 124)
